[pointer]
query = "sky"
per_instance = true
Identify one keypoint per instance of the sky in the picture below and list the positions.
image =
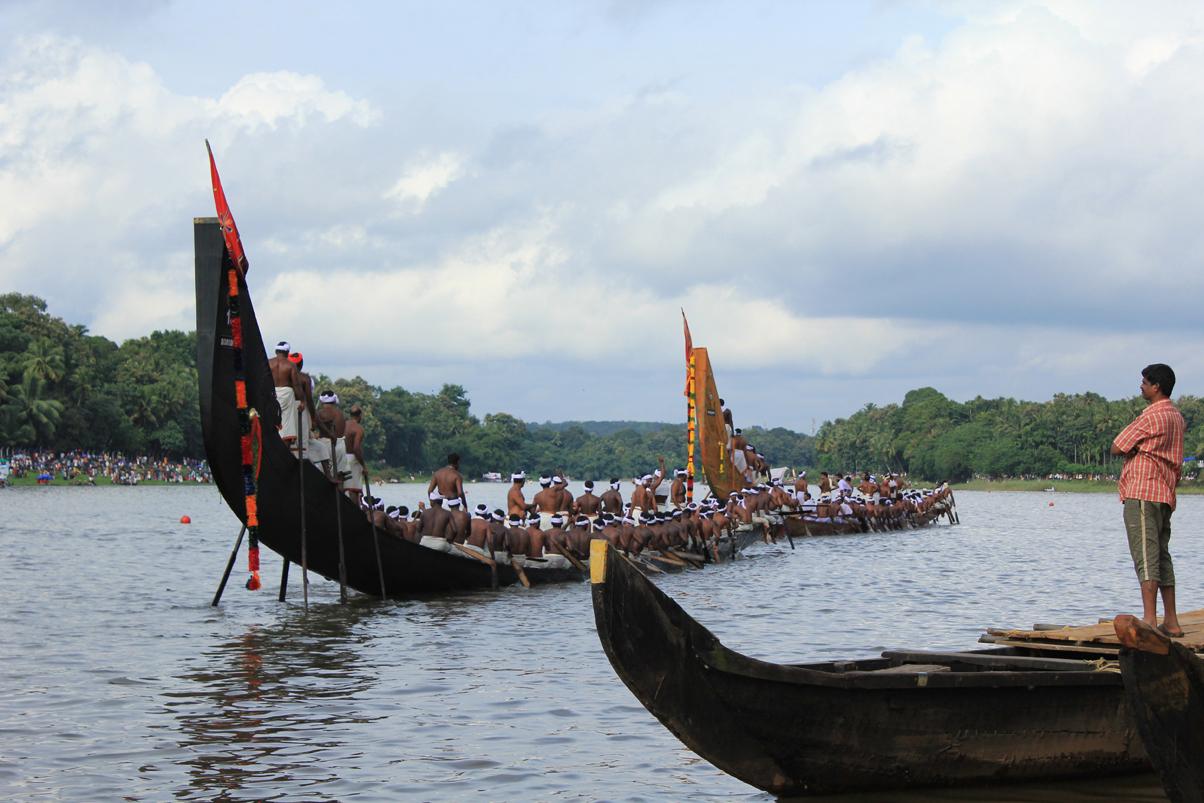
(849, 199)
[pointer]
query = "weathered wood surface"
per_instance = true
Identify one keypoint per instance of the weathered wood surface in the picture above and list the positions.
(1097, 635)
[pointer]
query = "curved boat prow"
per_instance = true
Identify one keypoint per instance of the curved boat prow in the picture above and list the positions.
(1164, 684)
(644, 634)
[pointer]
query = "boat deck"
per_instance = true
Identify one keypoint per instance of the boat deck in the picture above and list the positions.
(1098, 638)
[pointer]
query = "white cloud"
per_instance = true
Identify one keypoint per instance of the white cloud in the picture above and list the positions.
(269, 98)
(423, 178)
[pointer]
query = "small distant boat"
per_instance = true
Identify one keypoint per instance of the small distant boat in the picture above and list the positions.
(491, 476)
(907, 719)
(1050, 490)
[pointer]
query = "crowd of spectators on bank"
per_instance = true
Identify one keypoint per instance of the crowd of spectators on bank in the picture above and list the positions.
(86, 468)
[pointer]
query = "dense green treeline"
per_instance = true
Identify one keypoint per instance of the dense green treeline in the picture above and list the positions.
(932, 436)
(64, 388)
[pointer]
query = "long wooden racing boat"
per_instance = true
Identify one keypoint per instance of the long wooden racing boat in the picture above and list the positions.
(908, 719)
(799, 526)
(407, 568)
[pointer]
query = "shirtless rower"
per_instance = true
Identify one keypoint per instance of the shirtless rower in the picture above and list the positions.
(825, 483)
(435, 524)
(561, 486)
(457, 530)
(478, 527)
(354, 467)
(449, 481)
(547, 501)
(868, 486)
(287, 380)
(677, 491)
(305, 403)
(517, 539)
(611, 499)
(535, 537)
(515, 501)
(740, 453)
(653, 483)
(332, 426)
(588, 504)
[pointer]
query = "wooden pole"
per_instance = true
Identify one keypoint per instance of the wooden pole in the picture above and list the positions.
(380, 568)
(301, 490)
(283, 581)
(338, 516)
(229, 567)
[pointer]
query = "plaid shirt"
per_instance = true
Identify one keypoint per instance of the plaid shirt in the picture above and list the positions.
(1152, 471)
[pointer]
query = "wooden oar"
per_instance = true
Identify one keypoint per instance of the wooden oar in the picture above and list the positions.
(338, 516)
(692, 560)
(301, 490)
(380, 569)
(571, 558)
(229, 567)
(671, 559)
(477, 555)
(522, 575)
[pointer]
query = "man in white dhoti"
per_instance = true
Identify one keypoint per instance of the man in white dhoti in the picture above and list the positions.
(287, 380)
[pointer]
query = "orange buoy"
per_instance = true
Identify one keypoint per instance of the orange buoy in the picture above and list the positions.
(187, 520)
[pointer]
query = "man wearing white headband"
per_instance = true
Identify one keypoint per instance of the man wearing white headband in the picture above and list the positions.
(564, 502)
(587, 504)
(612, 500)
(515, 501)
(677, 491)
(353, 468)
(457, 532)
(449, 481)
(547, 501)
(332, 426)
(289, 390)
(435, 523)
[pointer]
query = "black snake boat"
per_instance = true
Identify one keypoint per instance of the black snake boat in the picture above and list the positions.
(907, 719)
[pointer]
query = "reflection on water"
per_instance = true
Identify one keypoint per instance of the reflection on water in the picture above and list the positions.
(118, 681)
(253, 709)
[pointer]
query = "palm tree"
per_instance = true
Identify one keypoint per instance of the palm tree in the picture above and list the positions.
(27, 416)
(44, 361)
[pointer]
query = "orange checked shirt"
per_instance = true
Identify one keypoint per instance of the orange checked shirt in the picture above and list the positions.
(1152, 471)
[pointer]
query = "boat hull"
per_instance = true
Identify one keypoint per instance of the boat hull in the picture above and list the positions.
(798, 731)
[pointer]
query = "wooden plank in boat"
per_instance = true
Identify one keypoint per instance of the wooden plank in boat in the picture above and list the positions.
(907, 669)
(1053, 646)
(1102, 634)
(1015, 663)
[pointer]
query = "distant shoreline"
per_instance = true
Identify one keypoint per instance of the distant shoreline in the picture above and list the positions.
(1059, 486)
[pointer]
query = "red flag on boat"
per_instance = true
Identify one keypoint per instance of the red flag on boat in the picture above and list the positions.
(229, 228)
(689, 349)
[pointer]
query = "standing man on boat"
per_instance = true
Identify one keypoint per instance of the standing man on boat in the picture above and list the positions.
(449, 481)
(612, 500)
(287, 380)
(1153, 450)
(354, 467)
(515, 501)
(305, 403)
(332, 426)
(587, 504)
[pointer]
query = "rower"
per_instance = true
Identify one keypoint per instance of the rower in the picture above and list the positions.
(517, 540)
(565, 497)
(825, 483)
(515, 502)
(305, 403)
(435, 524)
(287, 380)
(449, 481)
(458, 528)
(409, 524)
(588, 504)
(612, 499)
(478, 528)
(535, 537)
(547, 501)
(677, 490)
(332, 426)
(354, 466)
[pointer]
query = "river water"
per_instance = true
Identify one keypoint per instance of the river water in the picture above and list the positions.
(119, 681)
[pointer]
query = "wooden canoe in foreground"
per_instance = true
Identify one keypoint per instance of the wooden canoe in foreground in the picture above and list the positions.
(904, 720)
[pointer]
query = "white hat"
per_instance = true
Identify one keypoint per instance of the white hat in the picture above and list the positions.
(283, 346)
(435, 496)
(518, 475)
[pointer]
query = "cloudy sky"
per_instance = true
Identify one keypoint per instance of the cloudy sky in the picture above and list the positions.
(849, 199)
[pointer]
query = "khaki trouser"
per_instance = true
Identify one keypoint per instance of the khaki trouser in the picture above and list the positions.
(1149, 528)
